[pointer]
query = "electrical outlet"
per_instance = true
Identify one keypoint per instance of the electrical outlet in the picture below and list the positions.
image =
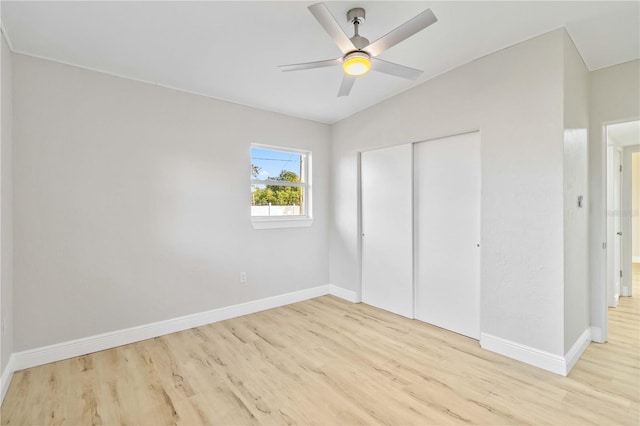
(243, 277)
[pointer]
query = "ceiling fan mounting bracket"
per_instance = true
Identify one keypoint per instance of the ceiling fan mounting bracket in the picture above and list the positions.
(356, 14)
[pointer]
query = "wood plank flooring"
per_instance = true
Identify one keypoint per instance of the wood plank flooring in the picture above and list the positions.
(327, 361)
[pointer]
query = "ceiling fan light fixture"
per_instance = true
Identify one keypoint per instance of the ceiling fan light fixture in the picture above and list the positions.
(356, 63)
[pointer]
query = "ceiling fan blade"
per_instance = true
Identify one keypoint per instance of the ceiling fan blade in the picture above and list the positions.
(395, 69)
(347, 84)
(311, 65)
(403, 32)
(331, 26)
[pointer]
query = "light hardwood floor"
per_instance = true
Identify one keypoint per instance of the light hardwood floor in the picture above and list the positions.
(327, 361)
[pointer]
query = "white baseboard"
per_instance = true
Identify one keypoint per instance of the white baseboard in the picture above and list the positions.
(86, 345)
(635, 259)
(578, 348)
(555, 363)
(6, 376)
(532, 356)
(596, 335)
(343, 293)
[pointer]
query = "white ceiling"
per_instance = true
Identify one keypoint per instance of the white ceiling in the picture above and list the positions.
(625, 134)
(231, 50)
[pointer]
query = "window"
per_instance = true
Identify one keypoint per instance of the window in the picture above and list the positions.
(280, 187)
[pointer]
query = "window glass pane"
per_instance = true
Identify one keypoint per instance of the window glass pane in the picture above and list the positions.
(272, 198)
(277, 165)
(275, 200)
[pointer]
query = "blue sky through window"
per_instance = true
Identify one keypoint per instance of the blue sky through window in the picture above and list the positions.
(272, 162)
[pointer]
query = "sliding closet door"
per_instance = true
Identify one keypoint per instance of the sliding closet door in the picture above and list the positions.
(387, 241)
(447, 196)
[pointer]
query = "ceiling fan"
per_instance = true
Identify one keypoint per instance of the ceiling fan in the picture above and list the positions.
(359, 56)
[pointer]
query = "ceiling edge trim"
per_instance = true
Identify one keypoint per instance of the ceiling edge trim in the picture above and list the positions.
(164, 86)
(575, 46)
(4, 32)
(440, 74)
(614, 65)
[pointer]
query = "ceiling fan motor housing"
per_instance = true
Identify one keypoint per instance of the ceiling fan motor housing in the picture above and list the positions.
(359, 42)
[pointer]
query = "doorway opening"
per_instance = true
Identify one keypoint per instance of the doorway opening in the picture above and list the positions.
(635, 221)
(623, 211)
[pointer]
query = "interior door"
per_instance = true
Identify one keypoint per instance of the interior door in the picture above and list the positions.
(447, 197)
(614, 240)
(617, 223)
(387, 240)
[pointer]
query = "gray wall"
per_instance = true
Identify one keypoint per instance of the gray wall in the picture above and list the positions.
(130, 208)
(515, 98)
(614, 96)
(6, 207)
(576, 181)
(132, 204)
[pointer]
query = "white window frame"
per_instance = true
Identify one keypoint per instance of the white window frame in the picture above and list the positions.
(274, 222)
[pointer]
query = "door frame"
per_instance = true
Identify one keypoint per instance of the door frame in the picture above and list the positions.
(359, 226)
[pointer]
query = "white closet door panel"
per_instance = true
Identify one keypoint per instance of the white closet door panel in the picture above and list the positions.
(447, 191)
(387, 241)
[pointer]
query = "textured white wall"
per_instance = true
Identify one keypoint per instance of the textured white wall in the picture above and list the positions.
(614, 96)
(6, 207)
(576, 180)
(118, 189)
(515, 98)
